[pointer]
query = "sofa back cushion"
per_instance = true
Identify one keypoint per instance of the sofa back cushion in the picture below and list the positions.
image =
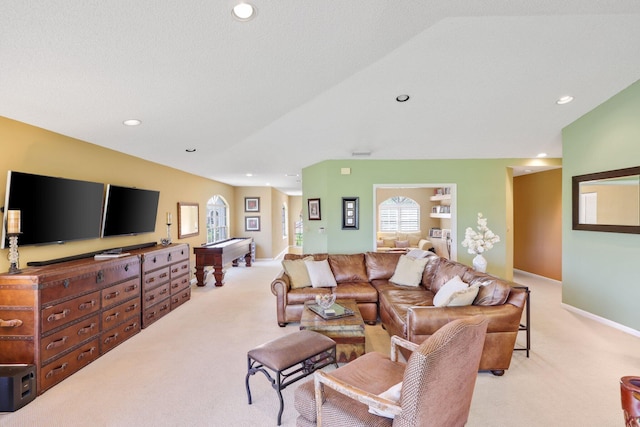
(446, 270)
(348, 268)
(381, 265)
(316, 257)
(493, 291)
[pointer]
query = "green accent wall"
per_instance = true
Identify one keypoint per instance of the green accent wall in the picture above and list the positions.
(482, 185)
(600, 269)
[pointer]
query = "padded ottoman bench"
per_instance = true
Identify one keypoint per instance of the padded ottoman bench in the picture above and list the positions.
(308, 349)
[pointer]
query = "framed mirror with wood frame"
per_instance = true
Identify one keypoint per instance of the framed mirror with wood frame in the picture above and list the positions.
(188, 220)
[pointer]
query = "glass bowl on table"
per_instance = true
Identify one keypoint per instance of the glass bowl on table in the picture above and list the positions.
(326, 301)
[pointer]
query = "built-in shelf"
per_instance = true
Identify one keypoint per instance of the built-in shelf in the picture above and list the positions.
(440, 197)
(440, 215)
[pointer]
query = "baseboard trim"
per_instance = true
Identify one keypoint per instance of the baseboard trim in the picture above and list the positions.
(528, 273)
(601, 320)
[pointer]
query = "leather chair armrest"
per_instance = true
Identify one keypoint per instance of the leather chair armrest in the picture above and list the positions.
(281, 284)
(324, 379)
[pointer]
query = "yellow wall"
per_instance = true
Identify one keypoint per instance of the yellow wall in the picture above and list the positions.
(538, 223)
(30, 149)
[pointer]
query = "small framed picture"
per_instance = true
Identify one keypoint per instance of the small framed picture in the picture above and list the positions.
(314, 209)
(252, 204)
(251, 223)
(435, 232)
(350, 213)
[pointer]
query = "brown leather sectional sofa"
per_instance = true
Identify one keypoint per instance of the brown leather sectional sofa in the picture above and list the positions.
(408, 311)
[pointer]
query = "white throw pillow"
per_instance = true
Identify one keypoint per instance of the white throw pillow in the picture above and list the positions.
(297, 272)
(392, 394)
(320, 274)
(409, 271)
(444, 295)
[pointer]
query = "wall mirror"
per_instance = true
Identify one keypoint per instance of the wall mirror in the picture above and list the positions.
(187, 220)
(607, 201)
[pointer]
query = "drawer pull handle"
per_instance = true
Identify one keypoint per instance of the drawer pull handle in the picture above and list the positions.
(175, 270)
(86, 353)
(86, 305)
(13, 323)
(111, 317)
(126, 267)
(169, 257)
(151, 315)
(163, 275)
(86, 329)
(131, 308)
(112, 295)
(131, 327)
(131, 288)
(151, 280)
(110, 339)
(58, 316)
(164, 291)
(174, 285)
(57, 370)
(186, 294)
(100, 276)
(185, 267)
(164, 307)
(185, 280)
(57, 343)
(150, 298)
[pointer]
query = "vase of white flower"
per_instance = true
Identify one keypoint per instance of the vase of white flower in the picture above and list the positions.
(479, 242)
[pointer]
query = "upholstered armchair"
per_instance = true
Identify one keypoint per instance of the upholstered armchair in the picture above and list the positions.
(436, 390)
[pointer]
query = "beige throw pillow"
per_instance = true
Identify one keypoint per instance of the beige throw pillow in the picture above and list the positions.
(320, 274)
(455, 293)
(409, 271)
(297, 272)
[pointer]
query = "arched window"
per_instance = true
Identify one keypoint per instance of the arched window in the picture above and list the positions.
(217, 214)
(399, 214)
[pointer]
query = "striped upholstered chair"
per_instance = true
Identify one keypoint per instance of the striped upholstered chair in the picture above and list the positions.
(436, 390)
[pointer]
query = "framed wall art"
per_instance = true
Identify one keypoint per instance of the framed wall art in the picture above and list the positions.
(252, 204)
(314, 209)
(251, 223)
(350, 213)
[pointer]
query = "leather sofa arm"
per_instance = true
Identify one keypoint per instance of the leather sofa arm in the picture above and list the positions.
(422, 322)
(281, 284)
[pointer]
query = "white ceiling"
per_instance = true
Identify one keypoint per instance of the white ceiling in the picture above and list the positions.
(308, 80)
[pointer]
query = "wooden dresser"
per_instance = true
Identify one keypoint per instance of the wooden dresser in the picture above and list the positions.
(63, 316)
(165, 280)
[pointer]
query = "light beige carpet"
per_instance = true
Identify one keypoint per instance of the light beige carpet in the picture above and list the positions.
(188, 368)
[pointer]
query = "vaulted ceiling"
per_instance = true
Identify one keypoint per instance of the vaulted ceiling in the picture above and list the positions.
(308, 80)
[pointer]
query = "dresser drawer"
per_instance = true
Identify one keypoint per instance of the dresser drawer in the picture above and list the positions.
(121, 292)
(118, 314)
(180, 253)
(69, 337)
(156, 295)
(61, 368)
(156, 312)
(65, 312)
(155, 278)
(180, 297)
(121, 333)
(17, 322)
(179, 269)
(179, 283)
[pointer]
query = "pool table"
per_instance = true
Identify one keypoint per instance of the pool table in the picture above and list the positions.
(220, 253)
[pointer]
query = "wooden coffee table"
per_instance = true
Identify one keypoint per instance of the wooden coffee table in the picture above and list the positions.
(347, 332)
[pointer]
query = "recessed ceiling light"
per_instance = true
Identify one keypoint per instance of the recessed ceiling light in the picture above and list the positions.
(190, 150)
(132, 122)
(564, 99)
(244, 12)
(541, 155)
(402, 98)
(249, 174)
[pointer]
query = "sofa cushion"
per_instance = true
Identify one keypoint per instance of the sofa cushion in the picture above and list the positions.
(359, 291)
(455, 293)
(320, 274)
(301, 295)
(381, 265)
(297, 272)
(409, 271)
(492, 291)
(447, 270)
(348, 268)
(402, 243)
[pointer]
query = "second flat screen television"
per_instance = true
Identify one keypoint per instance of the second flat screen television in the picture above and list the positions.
(129, 211)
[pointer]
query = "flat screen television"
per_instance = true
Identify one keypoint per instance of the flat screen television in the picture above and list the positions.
(129, 211)
(53, 210)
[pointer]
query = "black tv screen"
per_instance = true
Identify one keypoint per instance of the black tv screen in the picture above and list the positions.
(129, 211)
(53, 210)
